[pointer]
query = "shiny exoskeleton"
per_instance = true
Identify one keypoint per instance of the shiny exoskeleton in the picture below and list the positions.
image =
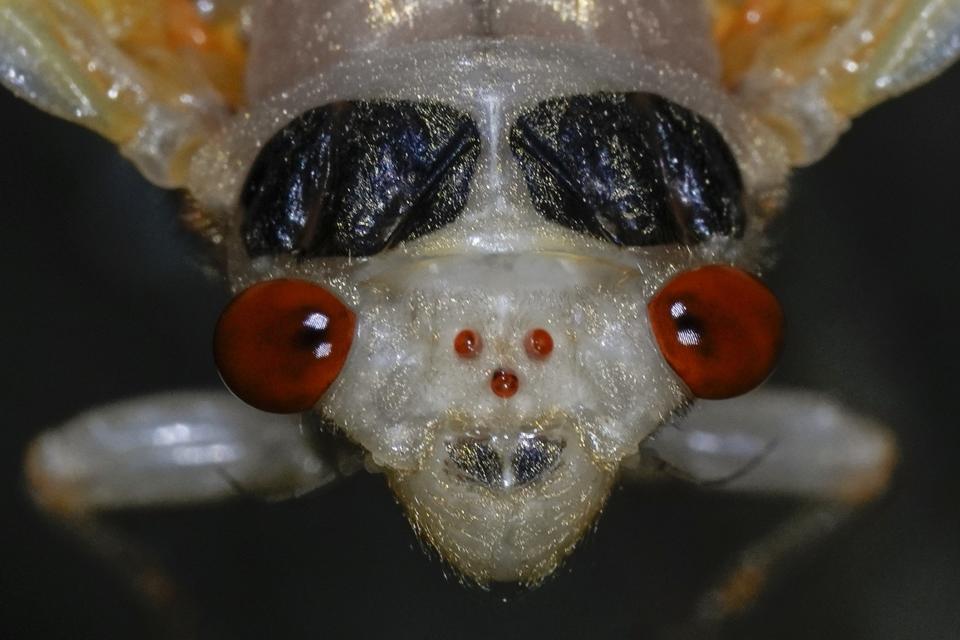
(357, 178)
(499, 246)
(635, 169)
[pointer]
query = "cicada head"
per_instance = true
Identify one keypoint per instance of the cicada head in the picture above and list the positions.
(497, 227)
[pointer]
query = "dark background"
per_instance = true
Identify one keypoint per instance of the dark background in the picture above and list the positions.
(103, 298)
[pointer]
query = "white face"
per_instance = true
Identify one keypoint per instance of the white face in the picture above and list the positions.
(502, 480)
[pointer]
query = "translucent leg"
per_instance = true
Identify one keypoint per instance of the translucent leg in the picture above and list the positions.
(776, 442)
(166, 450)
(779, 442)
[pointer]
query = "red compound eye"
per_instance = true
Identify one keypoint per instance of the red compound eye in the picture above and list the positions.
(539, 344)
(280, 344)
(719, 328)
(467, 344)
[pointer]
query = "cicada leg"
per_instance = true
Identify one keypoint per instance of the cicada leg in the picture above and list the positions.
(775, 442)
(169, 450)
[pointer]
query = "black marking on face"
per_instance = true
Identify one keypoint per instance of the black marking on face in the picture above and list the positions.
(631, 168)
(477, 460)
(534, 458)
(355, 178)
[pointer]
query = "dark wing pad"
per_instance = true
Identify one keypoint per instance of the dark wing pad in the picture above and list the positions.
(355, 178)
(631, 168)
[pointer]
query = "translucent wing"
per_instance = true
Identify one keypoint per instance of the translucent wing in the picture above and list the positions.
(153, 76)
(808, 66)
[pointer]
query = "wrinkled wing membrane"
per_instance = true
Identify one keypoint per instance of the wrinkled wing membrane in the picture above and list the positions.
(153, 76)
(808, 66)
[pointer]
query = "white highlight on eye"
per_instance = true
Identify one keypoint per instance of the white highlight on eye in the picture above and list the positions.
(688, 338)
(317, 322)
(678, 310)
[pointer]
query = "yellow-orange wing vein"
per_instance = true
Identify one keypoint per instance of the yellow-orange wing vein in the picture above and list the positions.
(153, 76)
(808, 66)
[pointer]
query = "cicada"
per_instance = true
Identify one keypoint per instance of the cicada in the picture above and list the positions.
(493, 251)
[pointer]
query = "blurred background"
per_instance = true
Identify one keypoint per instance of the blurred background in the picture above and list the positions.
(104, 297)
